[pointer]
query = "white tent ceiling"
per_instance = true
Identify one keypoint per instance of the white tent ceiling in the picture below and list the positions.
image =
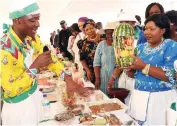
(53, 11)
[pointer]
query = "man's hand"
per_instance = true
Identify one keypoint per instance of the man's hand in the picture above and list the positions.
(43, 60)
(74, 87)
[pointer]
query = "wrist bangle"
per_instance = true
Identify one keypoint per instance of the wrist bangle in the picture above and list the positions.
(114, 77)
(63, 73)
(146, 69)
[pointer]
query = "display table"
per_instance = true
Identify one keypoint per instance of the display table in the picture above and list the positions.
(57, 107)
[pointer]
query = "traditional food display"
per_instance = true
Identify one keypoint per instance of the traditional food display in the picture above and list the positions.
(94, 110)
(101, 120)
(65, 116)
(68, 101)
(45, 86)
(107, 107)
(76, 109)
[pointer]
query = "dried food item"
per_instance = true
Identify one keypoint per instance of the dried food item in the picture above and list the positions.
(65, 116)
(107, 107)
(86, 119)
(76, 109)
(91, 90)
(101, 120)
(114, 120)
(68, 100)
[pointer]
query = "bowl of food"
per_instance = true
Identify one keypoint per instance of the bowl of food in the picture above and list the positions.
(64, 117)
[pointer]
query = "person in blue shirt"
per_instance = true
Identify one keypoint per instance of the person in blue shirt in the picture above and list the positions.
(154, 73)
(104, 59)
(139, 38)
(139, 35)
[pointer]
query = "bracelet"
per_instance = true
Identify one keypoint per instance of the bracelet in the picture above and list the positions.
(63, 73)
(114, 77)
(146, 69)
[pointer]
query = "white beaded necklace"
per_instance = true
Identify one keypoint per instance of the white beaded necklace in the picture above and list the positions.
(148, 50)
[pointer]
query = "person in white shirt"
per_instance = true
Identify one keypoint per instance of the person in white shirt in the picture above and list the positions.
(74, 31)
(80, 36)
(99, 27)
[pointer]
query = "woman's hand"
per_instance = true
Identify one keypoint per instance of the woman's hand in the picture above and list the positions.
(97, 83)
(110, 84)
(138, 64)
(130, 73)
(89, 74)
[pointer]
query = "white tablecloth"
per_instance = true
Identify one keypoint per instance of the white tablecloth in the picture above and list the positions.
(57, 107)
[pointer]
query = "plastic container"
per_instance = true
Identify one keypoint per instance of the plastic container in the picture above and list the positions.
(46, 107)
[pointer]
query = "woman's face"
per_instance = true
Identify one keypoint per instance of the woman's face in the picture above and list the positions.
(74, 33)
(109, 33)
(173, 28)
(154, 10)
(80, 25)
(153, 33)
(90, 30)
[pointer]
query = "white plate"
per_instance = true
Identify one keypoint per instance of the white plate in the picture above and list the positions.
(47, 89)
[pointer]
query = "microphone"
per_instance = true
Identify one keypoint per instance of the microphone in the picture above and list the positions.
(45, 49)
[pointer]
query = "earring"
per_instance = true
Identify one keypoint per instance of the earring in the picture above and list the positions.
(162, 39)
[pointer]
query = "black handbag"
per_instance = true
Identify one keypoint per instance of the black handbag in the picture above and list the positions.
(120, 93)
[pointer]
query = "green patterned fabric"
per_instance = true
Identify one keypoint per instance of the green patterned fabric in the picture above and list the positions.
(25, 11)
(22, 96)
(173, 106)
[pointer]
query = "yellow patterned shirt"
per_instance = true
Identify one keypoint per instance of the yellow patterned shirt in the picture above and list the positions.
(15, 77)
